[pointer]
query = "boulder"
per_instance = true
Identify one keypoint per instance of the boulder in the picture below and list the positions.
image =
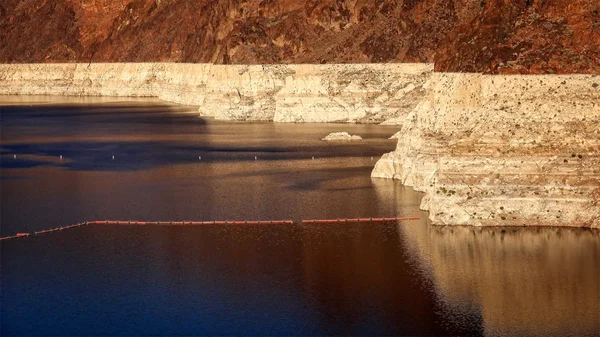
(341, 136)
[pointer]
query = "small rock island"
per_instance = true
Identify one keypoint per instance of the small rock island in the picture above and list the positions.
(341, 136)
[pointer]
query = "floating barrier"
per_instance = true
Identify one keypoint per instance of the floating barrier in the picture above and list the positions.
(321, 221)
(18, 236)
(60, 228)
(199, 223)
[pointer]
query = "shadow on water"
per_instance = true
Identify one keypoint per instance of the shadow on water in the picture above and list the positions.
(7, 162)
(348, 279)
(145, 136)
(73, 115)
(141, 155)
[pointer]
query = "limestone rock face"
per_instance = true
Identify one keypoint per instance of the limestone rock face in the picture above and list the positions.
(504, 150)
(341, 136)
(396, 135)
(365, 93)
(361, 93)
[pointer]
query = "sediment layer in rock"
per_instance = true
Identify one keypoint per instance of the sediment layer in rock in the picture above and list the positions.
(362, 93)
(504, 150)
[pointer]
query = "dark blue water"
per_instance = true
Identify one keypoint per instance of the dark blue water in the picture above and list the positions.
(335, 279)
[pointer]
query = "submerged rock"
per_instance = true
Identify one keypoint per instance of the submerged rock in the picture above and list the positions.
(341, 136)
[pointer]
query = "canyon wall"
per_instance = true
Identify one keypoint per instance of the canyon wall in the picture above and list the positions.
(361, 93)
(504, 150)
(487, 150)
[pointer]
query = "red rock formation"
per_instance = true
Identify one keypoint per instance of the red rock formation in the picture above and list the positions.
(527, 36)
(38, 31)
(491, 36)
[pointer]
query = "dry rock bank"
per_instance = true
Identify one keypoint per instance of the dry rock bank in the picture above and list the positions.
(506, 150)
(361, 93)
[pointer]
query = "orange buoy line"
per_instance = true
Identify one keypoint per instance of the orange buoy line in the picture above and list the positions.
(60, 228)
(18, 236)
(198, 223)
(361, 220)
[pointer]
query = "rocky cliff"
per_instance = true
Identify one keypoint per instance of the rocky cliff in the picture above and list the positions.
(359, 93)
(504, 150)
(488, 36)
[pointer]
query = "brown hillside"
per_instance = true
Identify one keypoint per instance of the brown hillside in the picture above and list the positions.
(491, 36)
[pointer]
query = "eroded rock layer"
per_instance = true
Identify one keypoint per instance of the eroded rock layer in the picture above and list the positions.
(362, 93)
(504, 150)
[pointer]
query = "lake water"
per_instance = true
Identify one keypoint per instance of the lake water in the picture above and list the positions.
(406, 278)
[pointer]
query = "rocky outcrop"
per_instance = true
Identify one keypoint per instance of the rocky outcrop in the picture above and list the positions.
(341, 136)
(370, 93)
(504, 150)
(490, 36)
(361, 93)
(526, 37)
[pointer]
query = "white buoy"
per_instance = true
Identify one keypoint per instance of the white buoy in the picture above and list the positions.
(113, 157)
(61, 157)
(14, 156)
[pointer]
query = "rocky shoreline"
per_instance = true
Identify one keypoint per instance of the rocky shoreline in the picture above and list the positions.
(301, 93)
(504, 150)
(488, 150)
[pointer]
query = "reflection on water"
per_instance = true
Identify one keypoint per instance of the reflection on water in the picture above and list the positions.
(229, 280)
(340, 279)
(522, 281)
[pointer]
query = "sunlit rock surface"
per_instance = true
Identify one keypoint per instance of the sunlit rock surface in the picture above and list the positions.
(504, 150)
(341, 136)
(365, 93)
